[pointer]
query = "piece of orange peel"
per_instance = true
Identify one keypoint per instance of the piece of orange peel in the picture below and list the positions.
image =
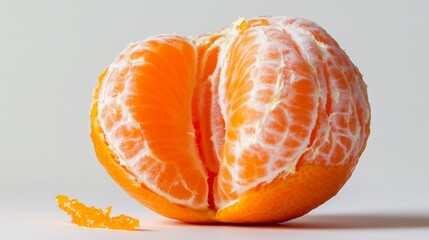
(94, 217)
(241, 24)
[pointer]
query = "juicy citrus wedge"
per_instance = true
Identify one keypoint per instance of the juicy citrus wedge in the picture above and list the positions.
(94, 217)
(259, 122)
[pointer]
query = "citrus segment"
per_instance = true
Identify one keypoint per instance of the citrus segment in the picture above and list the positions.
(207, 120)
(144, 107)
(343, 121)
(129, 182)
(269, 99)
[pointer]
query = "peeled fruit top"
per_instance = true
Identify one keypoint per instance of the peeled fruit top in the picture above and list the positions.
(258, 122)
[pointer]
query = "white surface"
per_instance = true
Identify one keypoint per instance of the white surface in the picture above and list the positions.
(311, 227)
(51, 53)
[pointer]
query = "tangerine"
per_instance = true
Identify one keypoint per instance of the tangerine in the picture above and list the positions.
(260, 122)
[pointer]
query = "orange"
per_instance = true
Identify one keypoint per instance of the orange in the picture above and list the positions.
(259, 122)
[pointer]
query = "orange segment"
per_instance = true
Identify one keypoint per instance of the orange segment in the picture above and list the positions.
(145, 111)
(129, 181)
(269, 99)
(207, 118)
(205, 104)
(343, 117)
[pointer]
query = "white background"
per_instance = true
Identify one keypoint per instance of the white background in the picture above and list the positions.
(51, 53)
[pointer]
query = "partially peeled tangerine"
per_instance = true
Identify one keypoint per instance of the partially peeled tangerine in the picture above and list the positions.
(259, 122)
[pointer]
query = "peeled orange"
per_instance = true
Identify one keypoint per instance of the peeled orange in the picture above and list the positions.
(260, 122)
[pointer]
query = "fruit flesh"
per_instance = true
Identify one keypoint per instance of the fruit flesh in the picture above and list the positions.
(146, 114)
(126, 179)
(265, 102)
(94, 217)
(268, 98)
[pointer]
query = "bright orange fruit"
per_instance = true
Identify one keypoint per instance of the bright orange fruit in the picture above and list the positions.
(259, 122)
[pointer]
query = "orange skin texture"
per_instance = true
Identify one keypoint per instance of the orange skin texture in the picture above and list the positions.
(283, 200)
(288, 195)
